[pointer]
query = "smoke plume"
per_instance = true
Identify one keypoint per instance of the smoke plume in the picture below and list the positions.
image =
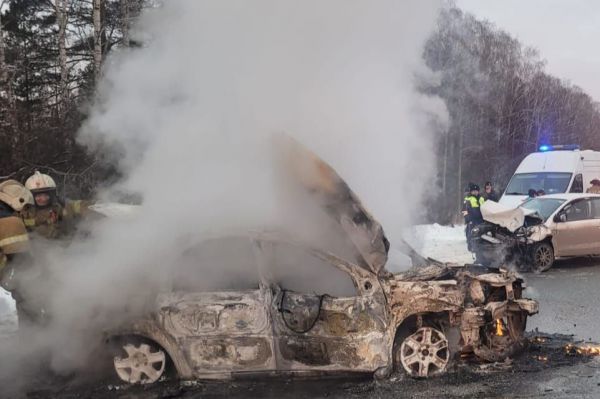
(191, 117)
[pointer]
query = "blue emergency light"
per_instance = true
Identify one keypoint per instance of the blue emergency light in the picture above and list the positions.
(566, 147)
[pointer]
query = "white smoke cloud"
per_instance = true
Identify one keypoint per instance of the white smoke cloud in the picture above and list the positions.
(193, 112)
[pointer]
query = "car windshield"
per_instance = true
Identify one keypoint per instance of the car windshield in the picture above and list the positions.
(543, 206)
(550, 182)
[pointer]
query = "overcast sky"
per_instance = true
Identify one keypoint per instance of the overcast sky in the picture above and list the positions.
(566, 32)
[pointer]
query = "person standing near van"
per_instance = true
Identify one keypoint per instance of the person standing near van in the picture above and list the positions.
(472, 211)
(489, 194)
(595, 188)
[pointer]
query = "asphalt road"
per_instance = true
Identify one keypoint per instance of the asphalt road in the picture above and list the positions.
(569, 296)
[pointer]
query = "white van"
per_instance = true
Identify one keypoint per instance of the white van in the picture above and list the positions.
(554, 169)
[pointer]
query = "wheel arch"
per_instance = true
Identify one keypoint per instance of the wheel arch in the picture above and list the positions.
(404, 327)
(149, 331)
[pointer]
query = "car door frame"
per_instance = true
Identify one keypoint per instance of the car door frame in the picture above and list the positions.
(563, 241)
(226, 352)
(331, 345)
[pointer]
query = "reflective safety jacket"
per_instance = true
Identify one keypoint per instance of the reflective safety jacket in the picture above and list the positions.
(472, 205)
(54, 221)
(14, 238)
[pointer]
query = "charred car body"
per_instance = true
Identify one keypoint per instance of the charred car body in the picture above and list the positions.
(418, 321)
(542, 229)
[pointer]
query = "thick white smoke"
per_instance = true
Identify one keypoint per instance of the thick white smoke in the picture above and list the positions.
(193, 113)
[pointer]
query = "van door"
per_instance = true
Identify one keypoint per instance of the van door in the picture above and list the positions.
(578, 235)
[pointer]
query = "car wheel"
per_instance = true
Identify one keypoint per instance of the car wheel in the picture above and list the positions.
(542, 257)
(142, 364)
(425, 353)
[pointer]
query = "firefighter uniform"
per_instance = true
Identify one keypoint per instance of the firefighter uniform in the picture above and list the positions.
(15, 245)
(54, 219)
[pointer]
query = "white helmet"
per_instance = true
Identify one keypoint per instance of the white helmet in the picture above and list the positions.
(39, 183)
(15, 195)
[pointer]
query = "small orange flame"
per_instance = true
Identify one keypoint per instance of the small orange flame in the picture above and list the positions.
(586, 350)
(499, 330)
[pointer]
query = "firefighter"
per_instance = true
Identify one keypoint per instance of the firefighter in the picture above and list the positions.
(50, 217)
(15, 256)
(472, 211)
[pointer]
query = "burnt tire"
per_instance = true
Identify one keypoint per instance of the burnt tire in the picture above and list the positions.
(541, 257)
(138, 360)
(423, 354)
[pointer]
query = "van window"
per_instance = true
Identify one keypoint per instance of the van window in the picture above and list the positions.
(579, 210)
(550, 182)
(577, 186)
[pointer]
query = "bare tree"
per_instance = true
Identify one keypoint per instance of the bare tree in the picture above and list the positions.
(98, 36)
(125, 22)
(62, 20)
(3, 70)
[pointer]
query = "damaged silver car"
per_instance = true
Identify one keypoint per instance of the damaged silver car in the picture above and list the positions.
(280, 313)
(542, 229)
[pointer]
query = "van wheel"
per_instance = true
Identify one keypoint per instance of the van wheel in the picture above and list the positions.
(542, 257)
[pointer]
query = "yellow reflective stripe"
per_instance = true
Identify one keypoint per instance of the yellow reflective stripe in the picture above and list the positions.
(14, 240)
(29, 222)
(77, 207)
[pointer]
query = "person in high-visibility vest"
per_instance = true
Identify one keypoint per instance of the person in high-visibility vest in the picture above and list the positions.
(50, 218)
(15, 256)
(472, 211)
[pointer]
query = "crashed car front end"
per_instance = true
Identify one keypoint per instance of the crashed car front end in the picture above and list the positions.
(507, 236)
(484, 305)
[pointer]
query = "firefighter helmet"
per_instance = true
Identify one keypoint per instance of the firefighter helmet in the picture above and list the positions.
(39, 183)
(15, 195)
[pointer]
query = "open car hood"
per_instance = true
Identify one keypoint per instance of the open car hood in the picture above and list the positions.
(507, 217)
(340, 202)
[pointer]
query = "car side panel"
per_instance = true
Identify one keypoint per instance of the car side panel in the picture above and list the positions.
(345, 334)
(576, 238)
(221, 331)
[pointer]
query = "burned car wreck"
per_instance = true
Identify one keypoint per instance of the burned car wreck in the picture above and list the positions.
(418, 321)
(542, 229)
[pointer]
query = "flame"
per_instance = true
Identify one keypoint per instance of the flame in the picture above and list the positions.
(587, 350)
(499, 330)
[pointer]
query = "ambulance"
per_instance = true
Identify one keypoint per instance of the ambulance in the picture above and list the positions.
(554, 169)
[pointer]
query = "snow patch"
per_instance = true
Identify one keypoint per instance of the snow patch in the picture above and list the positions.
(443, 243)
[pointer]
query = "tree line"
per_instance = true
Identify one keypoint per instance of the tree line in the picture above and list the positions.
(51, 56)
(502, 103)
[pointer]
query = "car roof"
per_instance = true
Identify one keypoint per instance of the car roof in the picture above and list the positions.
(569, 196)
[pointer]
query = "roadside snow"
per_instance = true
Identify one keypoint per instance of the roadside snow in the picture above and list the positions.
(443, 243)
(8, 314)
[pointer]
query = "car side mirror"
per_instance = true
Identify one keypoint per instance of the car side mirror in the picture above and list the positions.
(560, 218)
